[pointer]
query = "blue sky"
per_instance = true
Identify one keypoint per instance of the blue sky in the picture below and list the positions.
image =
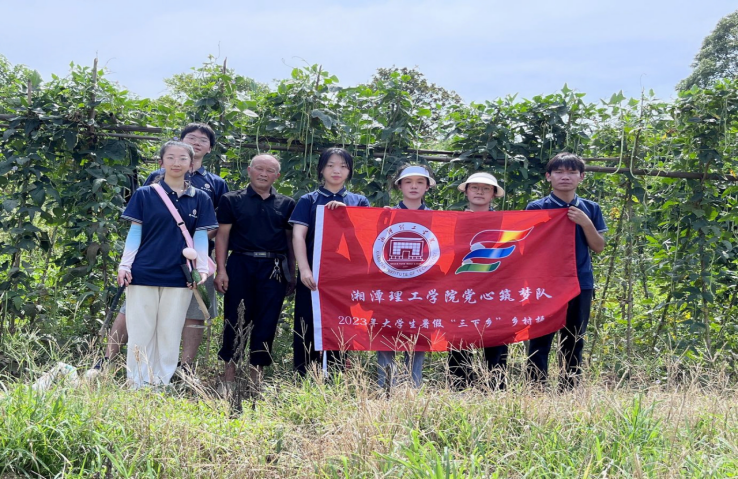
(480, 49)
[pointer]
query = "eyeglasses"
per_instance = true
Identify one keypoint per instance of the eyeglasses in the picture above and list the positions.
(484, 189)
(197, 139)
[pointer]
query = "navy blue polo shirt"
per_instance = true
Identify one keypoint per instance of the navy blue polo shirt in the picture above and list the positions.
(257, 224)
(202, 179)
(593, 211)
(307, 207)
(159, 258)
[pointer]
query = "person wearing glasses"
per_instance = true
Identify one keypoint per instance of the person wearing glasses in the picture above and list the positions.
(480, 189)
(201, 138)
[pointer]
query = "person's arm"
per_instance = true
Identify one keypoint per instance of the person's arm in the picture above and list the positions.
(200, 242)
(290, 262)
(133, 242)
(221, 188)
(299, 245)
(221, 254)
(595, 240)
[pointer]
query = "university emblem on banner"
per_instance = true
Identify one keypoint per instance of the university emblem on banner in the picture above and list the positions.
(406, 250)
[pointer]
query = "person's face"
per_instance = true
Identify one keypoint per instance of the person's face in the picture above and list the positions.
(413, 187)
(199, 142)
(263, 172)
(480, 194)
(336, 171)
(176, 162)
(564, 179)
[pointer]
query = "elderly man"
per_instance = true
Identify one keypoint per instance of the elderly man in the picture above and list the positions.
(253, 226)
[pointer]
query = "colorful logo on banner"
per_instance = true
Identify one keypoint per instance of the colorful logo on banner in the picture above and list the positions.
(406, 250)
(487, 247)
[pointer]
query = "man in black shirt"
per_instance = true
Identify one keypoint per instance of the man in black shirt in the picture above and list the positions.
(253, 226)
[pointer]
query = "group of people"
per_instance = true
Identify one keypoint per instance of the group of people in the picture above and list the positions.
(263, 243)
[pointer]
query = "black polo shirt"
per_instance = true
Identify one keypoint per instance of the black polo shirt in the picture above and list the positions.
(257, 224)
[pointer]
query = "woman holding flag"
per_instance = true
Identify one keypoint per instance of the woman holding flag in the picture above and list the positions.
(480, 189)
(413, 181)
(335, 168)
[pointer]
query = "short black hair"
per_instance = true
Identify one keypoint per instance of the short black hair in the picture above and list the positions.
(202, 128)
(406, 166)
(327, 153)
(566, 160)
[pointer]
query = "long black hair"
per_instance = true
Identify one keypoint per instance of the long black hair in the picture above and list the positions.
(327, 153)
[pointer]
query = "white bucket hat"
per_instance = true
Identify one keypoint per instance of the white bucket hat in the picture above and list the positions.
(485, 179)
(416, 171)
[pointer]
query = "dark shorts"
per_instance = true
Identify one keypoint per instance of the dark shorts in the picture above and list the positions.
(251, 282)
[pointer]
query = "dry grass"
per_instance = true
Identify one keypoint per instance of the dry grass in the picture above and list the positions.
(684, 426)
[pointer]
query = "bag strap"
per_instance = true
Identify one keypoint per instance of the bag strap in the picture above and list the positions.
(175, 214)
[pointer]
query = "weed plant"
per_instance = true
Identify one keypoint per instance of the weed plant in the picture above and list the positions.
(682, 423)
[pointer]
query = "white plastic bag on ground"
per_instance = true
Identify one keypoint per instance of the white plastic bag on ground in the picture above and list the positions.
(62, 372)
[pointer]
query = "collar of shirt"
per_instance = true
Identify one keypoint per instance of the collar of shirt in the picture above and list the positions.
(189, 191)
(325, 192)
(201, 171)
(252, 192)
(491, 208)
(562, 203)
(402, 206)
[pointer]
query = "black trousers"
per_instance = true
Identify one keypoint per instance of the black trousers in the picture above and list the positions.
(462, 372)
(303, 340)
(251, 282)
(571, 344)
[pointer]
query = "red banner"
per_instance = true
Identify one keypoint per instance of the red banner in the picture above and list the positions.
(391, 279)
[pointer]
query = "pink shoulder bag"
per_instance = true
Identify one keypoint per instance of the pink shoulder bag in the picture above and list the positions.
(175, 214)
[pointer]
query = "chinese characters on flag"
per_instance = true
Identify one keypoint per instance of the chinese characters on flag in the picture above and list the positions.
(433, 280)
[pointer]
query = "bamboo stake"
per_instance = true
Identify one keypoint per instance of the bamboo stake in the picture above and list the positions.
(629, 278)
(610, 271)
(93, 95)
(427, 155)
(661, 321)
(132, 137)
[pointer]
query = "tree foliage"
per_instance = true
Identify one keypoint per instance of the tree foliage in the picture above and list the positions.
(718, 57)
(668, 276)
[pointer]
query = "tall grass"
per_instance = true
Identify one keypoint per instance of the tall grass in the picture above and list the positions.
(613, 426)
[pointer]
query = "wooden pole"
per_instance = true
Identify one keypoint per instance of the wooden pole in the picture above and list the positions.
(427, 155)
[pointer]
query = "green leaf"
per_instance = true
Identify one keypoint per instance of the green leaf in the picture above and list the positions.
(97, 184)
(113, 150)
(327, 120)
(10, 205)
(70, 139)
(38, 195)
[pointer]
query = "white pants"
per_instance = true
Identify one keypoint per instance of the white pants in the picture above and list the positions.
(155, 318)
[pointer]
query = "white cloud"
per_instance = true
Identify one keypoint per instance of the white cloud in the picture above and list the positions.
(481, 49)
